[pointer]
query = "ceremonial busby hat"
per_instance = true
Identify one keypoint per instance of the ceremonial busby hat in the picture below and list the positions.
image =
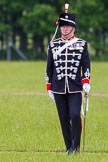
(67, 19)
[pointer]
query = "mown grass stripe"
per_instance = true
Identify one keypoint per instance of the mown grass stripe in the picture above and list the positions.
(43, 94)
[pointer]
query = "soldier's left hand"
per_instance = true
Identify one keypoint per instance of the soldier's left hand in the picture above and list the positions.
(86, 88)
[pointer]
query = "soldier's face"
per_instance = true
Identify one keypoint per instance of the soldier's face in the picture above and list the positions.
(67, 30)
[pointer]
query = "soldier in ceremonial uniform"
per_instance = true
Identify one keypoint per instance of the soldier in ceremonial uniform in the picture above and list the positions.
(67, 75)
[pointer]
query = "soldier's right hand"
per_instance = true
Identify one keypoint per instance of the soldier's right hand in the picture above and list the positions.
(51, 95)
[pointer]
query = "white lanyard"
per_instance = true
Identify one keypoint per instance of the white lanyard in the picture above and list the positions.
(65, 46)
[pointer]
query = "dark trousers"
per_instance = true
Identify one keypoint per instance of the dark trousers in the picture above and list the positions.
(69, 107)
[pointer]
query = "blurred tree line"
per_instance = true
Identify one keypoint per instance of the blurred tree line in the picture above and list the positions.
(27, 26)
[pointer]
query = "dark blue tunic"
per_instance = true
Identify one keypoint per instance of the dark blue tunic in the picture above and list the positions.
(66, 69)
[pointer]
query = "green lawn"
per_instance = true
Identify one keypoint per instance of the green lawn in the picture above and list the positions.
(29, 125)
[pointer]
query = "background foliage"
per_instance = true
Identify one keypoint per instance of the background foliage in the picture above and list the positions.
(29, 25)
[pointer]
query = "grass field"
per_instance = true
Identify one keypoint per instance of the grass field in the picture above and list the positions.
(29, 125)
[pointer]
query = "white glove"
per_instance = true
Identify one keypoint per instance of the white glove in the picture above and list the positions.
(51, 95)
(86, 87)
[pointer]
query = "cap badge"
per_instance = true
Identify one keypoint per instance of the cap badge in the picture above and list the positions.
(66, 16)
